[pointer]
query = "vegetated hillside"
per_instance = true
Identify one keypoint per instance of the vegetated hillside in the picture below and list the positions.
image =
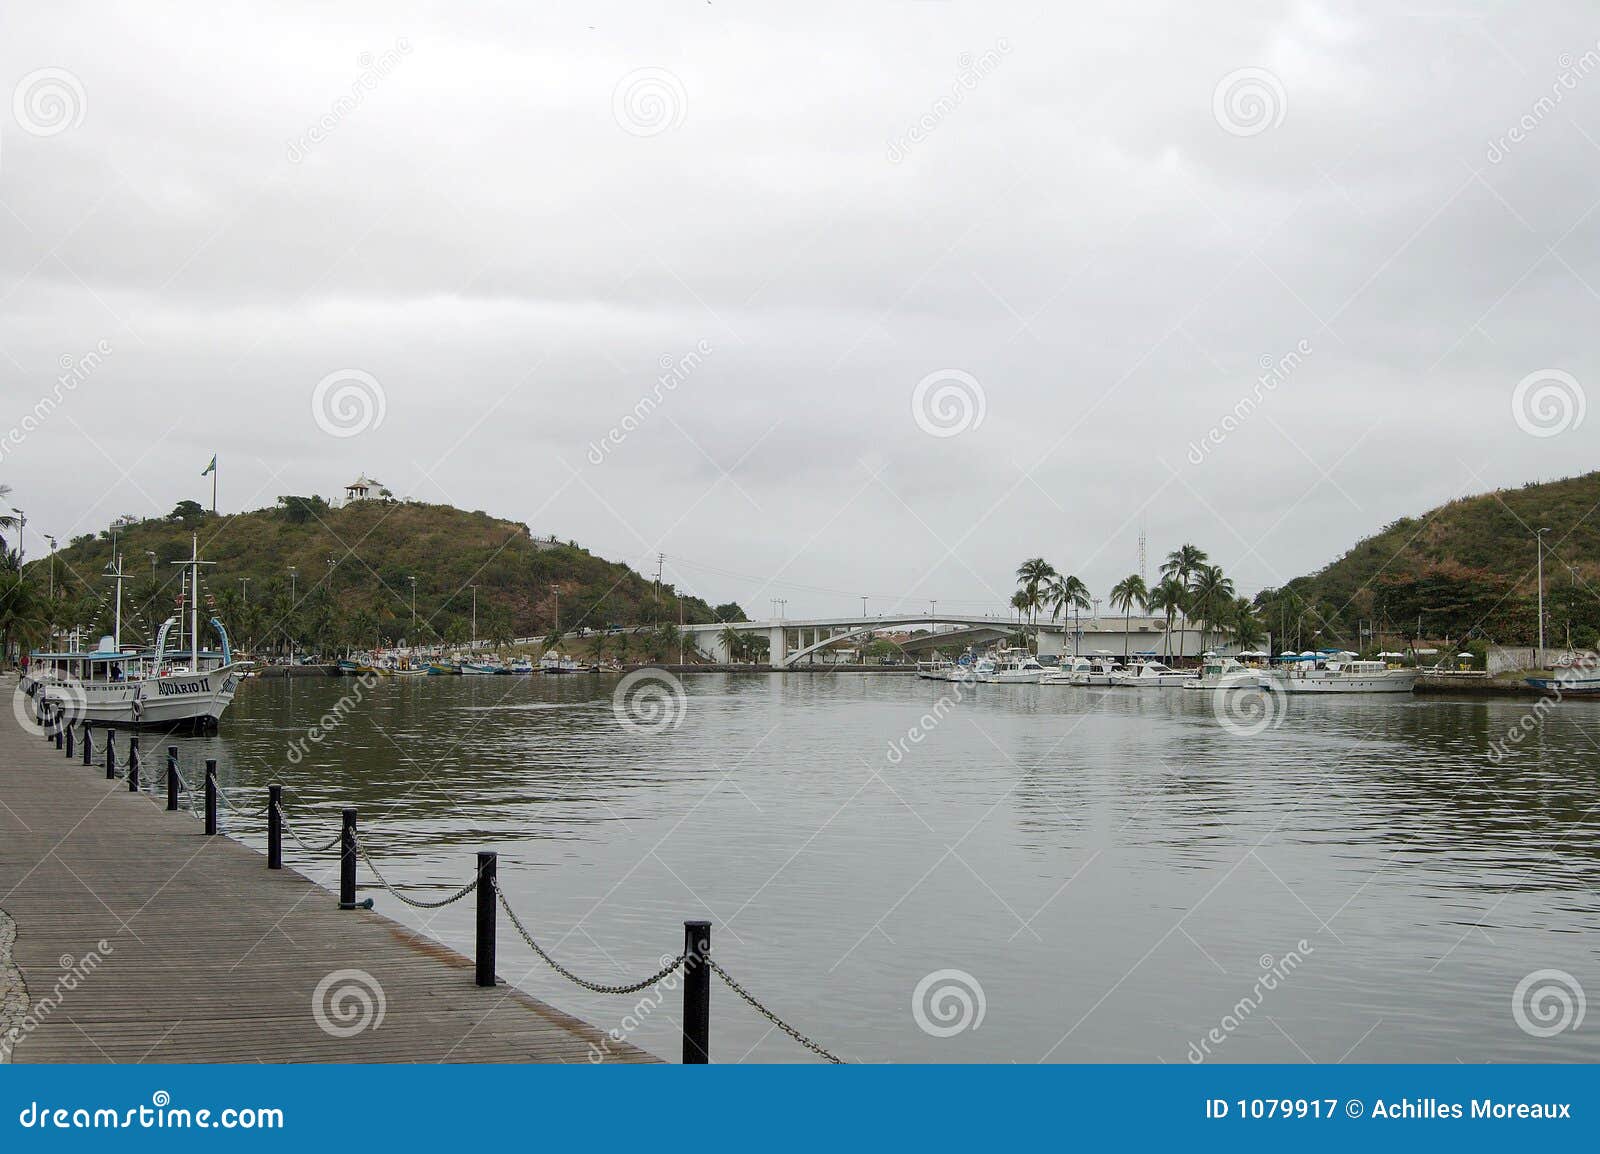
(1466, 569)
(353, 569)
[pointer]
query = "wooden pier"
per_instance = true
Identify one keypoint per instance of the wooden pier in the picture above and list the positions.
(207, 955)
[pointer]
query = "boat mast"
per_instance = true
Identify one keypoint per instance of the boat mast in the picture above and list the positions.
(194, 564)
(116, 621)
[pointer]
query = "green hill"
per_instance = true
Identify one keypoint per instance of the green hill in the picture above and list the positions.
(1465, 570)
(352, 580)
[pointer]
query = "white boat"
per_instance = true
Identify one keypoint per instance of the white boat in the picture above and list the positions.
(1338, 676)
(1013, 667)
(1224, 674)
(1152, 675)
(130, 687)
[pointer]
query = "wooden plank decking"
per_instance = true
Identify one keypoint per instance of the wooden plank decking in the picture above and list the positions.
(214, 958)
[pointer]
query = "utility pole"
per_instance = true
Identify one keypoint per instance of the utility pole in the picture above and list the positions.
(556, 589)
(52, 542)
(1538, 541)
(413, 581)
(661, 560)
(474, 589)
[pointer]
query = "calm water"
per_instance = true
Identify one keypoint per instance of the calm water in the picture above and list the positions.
(1112, 868)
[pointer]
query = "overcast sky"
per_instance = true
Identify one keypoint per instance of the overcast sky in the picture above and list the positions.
(945, 285)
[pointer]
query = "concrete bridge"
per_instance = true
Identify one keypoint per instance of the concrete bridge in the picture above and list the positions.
(789, 641)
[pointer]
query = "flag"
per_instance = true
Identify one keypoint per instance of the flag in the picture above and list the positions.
(211, 468)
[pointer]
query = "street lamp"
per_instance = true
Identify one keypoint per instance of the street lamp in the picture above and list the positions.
(151, 553)
(474, 589)
(22, 528)
(556, 589)
(52, 541)
(294, 601)
(413, 581)
(1538, 542)
(863, 606)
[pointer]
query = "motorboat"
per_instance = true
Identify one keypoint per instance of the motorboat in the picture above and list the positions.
(1223, 674)
(1152, 675)
(1014, 667)
(1334, 674)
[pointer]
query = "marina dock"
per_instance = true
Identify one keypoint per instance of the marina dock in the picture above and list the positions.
(128, 935)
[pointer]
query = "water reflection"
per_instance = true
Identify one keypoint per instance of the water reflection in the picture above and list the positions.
(1111, 866)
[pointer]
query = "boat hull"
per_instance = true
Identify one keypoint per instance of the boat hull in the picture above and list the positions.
(1393, 681)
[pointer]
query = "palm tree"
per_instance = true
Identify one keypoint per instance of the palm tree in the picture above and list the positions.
(1020, 602)
(1212, 593)
(1248, 630)
(1033, 575)
(1067, 593)
(23, 614)
(1125, 594)
(1183, 563)
(732, 642)
(1170, 596)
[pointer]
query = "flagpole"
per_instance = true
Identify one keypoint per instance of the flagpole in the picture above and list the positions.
(213, 485)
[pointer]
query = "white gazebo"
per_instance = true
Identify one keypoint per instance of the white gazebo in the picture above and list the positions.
(363, 488)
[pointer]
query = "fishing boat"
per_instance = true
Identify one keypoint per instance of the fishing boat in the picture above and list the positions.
(1013, 667)
(1152, 675)
(480, 668)
(1316, 673)
(444, 669)
(162, 686)
(520, 666)
(1222, 674)
(1583, 677)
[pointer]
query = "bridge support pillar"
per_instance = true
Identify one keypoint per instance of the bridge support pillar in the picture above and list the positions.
(778, 647)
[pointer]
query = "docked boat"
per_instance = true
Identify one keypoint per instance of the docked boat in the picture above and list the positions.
(520, 666)
(1013, 667)
(444, 669)
(1333, 675)
(1084, 671)
(1224, 674)
(480, 668)
(1579, 679)
(1152, 675)
(164, 686)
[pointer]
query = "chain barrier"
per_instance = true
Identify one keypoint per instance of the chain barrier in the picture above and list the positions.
(410, 901)
(283, 818)
(597, 988)
(771, 1017)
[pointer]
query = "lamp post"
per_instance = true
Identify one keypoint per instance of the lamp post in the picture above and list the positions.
(52, 542)
(294, 602)
(22, 528)
(1538, 543)
(151, 553)
(863, 606)
(413, 581)
(474, 589)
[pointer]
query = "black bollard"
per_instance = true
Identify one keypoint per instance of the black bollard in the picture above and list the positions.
(211, 796)
(44, 717)
(488, 869)
(88, 745)
(111, 754)
(274, 827)
(133, 765)
(696, 993)
(61, 735)
(347, 862)
(69, 741)
(172, 778)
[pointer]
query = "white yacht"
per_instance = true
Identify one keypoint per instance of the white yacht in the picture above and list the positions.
(1152, 675)
(127, 686)
(1013, 667)
(1335, 675)
(1225, 673)
(1085, 671)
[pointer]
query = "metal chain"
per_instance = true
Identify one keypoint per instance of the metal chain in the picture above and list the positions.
(284, 819)
(233, 805)
(596, 987)
(384, 882)
(771, 1017)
